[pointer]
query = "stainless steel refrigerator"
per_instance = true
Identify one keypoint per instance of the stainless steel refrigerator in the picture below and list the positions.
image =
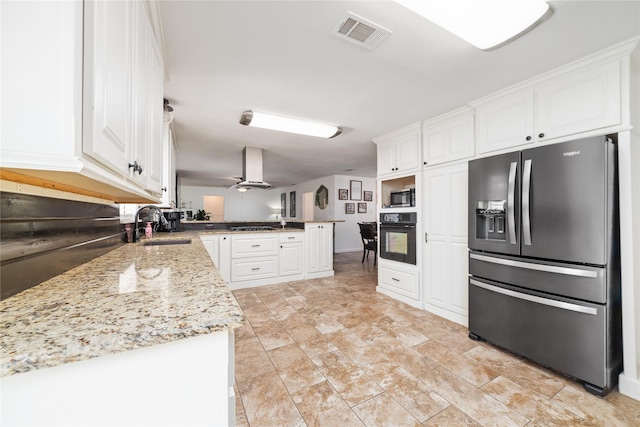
(544, 258)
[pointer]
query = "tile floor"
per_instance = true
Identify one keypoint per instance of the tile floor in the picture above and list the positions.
(334, 352)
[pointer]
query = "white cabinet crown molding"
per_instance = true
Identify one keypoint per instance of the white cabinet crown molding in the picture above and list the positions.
(611, 53)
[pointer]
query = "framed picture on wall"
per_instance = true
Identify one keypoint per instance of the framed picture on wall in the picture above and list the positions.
(362, 208)
(292, 204)
(368, 196)
(349, 208)
(356, 190)
(343, 194)
(283, 204)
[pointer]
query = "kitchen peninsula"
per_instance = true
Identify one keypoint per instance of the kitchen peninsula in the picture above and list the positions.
(67, 343)
(249, 253)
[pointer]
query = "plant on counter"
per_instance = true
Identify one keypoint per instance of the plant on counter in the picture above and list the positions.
(202, 215)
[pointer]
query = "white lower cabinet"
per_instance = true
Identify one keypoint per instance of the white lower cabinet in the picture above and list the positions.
(290, 256)
(319, 249)
(219, 247)
(178, 383)
(400, 281)
(445, 263)
(254, 268)
(255, 259)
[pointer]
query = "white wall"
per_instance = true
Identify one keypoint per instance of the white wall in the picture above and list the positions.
(252, 205)
(347, 233)
(257, 205)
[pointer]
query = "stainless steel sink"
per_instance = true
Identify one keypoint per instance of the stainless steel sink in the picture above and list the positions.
(166, 242)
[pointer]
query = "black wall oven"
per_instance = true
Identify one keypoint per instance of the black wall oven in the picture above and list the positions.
(398, 236)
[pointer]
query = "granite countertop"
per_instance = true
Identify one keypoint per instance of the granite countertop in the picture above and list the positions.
(134, 296)
(275, 230)
(289, 221)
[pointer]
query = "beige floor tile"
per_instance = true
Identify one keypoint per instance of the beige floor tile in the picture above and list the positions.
(457, 339)
(624, 403)
(356, 349)
(372, 347)
(275, 303)
(472, 401)
(593, 410)
(294, 367)
(351, 382)
(492, 357)
(244, 332)
(410, 359)
(533, 379)
(384, 411)
(320, 406)
(463, 366)
(251, 359)
(530, 404)
(311, 340)
(452, 417)
(271, 334)
(413, 395)
(257, 313)
(267, 402)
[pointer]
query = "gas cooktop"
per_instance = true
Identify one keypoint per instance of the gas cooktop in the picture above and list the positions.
(251, 228)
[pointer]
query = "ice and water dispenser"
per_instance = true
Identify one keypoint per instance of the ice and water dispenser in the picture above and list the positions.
(491, 220)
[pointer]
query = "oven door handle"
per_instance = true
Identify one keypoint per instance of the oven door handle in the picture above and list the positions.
(401, 227)
(539, 300)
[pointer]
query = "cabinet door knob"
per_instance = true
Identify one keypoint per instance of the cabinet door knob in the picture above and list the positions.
(541, 135)
(424, 163)
(528, 138)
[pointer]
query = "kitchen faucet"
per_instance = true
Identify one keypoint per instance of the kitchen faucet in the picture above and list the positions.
(161, 219)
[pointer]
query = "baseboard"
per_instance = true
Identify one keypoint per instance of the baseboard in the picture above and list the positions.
(629, 386)
(343, 251)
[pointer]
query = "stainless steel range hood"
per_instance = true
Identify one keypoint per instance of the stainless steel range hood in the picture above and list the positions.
(252, 169)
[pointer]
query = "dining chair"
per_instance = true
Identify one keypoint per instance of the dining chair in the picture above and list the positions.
(369, 240)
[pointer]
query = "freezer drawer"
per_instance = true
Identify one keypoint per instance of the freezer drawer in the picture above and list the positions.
(574, 338)
(574, 281)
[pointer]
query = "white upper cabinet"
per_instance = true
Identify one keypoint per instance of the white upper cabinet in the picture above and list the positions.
(107, 83)
(579, 102)
(572, 103)
(399, 152)
(448, 138)
(98, 107)
(506, 122)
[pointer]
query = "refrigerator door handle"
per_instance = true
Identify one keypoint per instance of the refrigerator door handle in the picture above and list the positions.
(539, 300)
(538, 267)
(511, 200)
(526, 203)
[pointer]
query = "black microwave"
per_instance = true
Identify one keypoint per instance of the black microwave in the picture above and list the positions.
(402, 198)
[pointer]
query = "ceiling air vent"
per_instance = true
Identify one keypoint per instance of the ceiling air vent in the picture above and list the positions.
(361, 31)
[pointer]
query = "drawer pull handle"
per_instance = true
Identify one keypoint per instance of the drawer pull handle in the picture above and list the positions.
(292, 237)
(255, 269)
(393, 278)
(255, 246)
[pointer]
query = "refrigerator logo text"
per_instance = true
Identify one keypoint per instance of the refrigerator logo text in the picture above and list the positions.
(571, 153)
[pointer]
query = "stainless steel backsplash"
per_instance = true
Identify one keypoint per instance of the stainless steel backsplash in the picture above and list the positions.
(42, 237)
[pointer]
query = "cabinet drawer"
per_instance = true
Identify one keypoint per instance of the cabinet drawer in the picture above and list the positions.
(254, 268)
(401, 282)
(291, 237)
(251, 245)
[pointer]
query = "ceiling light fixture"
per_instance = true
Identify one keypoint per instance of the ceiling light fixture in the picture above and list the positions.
(486, 24)
(287, 124)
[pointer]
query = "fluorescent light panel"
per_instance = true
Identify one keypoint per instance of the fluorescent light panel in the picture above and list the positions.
(288, 124)
(485, 24)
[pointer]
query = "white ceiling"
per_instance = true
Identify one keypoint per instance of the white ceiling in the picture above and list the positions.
(225, 57)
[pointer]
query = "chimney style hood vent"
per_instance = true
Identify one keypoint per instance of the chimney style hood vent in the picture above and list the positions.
(252, 169)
